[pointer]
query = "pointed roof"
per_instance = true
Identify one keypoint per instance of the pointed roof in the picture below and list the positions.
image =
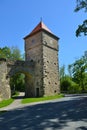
(39, 27)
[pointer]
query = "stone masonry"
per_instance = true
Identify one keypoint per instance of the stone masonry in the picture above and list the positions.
(5, 92)
(41, 66)
(41, 46)
(8, 68)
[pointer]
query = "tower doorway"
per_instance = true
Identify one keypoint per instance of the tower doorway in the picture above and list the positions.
(37, 92)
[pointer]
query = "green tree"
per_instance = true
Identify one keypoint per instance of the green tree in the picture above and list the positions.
(65, 83)
(69, 86)
(17, 82)
(16, 54)
(70, 71)
(79, 68)
(62, 72)
(68, 83)
(5, 52)
(81, 4)
(13, 53)
(65, 80)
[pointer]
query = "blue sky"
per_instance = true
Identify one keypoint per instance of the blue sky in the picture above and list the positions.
(19, 17)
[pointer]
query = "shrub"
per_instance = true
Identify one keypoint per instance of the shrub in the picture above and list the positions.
(74, 88)
(69, 86)
(65, 83)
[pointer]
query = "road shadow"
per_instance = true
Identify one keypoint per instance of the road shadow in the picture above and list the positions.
(62, 115)
(20, 96)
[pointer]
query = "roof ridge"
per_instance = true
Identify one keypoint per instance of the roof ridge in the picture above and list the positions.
(40, 26)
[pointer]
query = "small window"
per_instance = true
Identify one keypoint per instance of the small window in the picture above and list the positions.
(37, 92)
(7, 77)
(55, 91)
(49, 82)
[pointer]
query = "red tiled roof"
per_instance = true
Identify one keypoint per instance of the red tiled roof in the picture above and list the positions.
(40, 26)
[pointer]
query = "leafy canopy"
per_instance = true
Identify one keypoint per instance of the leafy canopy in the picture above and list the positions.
(81, 4)
(12, 53)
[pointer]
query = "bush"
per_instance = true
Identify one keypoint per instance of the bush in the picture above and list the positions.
(74, 88)
(69, 86)
(65, 83)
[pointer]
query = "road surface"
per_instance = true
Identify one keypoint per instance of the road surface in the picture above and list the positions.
(68, 113)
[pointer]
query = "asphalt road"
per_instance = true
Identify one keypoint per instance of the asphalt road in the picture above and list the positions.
(69, 113)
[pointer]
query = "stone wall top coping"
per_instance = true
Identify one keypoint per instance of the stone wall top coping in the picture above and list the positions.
(18, 62)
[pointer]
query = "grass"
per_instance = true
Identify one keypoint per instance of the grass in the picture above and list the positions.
(15, 94)
(5, 103)
(30, 100)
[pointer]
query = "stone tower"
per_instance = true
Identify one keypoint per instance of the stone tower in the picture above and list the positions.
(41, 46)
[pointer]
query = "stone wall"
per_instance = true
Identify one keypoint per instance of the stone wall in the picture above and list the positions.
(41, 67)
(43, 49)
(33, 49)
(25, 67)
(51, 67)
(9, 68)
(5, 92)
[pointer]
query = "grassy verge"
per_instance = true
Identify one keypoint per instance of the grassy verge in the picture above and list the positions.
(5, 103)
(30, 100)
(15, 94)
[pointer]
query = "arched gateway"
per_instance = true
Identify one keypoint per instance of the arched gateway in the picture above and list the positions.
(8, 68)
(40, 67)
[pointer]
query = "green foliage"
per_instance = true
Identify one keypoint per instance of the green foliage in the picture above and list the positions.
(15, 94)
(5, 52)
(69, 86)
(30, 100)
(70, 71)
(5, 103)
(13, 53)
(74, 88)
(17, 82)
(82, 29)
(16, 54)
(62, 71)
(81, 4)
(76, 81)
(65, 83)
(79, 68)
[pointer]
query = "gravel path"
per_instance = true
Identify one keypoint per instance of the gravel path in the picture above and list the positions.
(15, 104)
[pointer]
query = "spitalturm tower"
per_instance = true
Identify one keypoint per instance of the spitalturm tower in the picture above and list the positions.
(41, 46)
